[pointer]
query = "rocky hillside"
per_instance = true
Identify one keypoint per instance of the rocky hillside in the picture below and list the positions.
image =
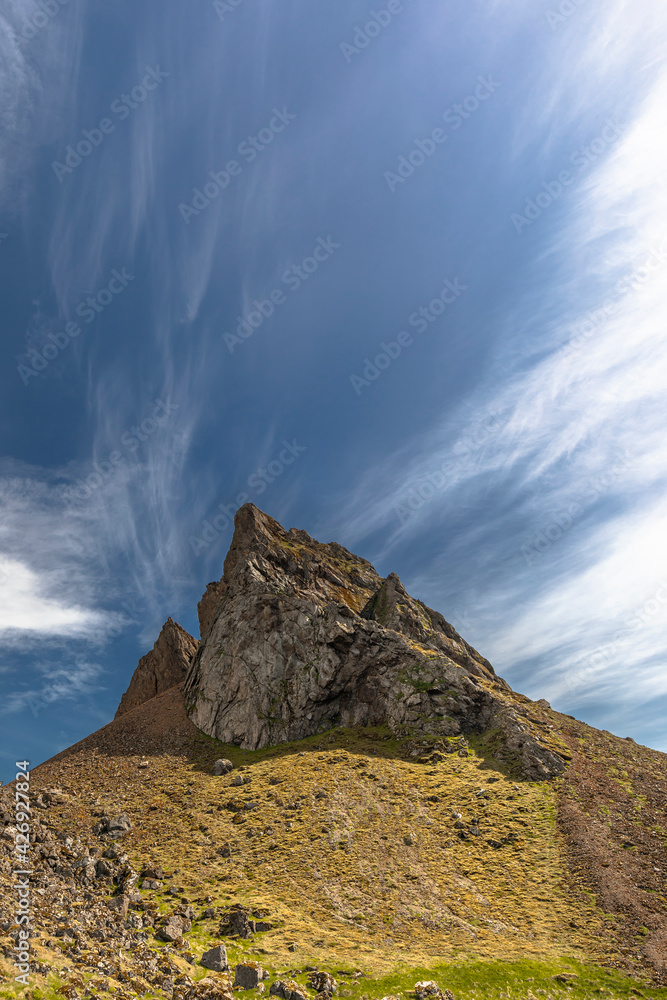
(299, 637)
(382, 861)
(346, 802)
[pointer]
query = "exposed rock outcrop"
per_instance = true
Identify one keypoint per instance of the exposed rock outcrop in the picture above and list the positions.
(162, 668)
(300, 636)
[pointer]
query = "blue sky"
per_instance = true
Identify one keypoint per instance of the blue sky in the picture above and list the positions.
(395, 273)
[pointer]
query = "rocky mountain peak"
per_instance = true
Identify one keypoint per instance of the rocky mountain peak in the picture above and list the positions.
(262, 553)
(160, 669)
(301, 636)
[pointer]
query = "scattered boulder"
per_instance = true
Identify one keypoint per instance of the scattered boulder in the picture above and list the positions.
(85, 866)
(120, 904)
(288, 989)
(174, 928)
(236, 922)
(116, 827)
(222, 766)
(205, 989)
(152, 872)
(428, 989)
(215, 959)
(248, 975)
(322, 982)
(126, 879)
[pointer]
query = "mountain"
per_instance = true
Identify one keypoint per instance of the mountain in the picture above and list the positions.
(337, 785)
(299, 637)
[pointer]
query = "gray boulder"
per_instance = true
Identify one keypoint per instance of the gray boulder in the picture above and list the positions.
(222, 766)
(248, 975)
(215, 959)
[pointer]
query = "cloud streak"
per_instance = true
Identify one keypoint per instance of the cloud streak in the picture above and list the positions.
(579, 395)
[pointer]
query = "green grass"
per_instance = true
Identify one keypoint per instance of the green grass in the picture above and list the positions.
(468, 980)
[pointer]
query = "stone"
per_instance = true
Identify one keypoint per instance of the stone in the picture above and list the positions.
(174, 928)
(322, 982)
(210, 989)
(286, 602)
(113, 827)
(215, 959)
(222, 766)
(152, 871)
(288, 989)
(119, 824)
(119, 904)
(248, 975)
(236, 922)
(164, 667)
(429, 989)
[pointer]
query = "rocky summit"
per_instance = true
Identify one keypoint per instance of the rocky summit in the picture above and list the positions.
(332, 794)
(300, 637)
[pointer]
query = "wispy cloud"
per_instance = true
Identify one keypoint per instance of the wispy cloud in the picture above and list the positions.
(74, 682)
(39, 71)
(570, 415)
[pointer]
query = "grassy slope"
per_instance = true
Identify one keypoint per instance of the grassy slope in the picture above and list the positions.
(370, 876)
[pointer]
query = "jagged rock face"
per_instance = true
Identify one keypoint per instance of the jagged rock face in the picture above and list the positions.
(300, 636)
(163, 667)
